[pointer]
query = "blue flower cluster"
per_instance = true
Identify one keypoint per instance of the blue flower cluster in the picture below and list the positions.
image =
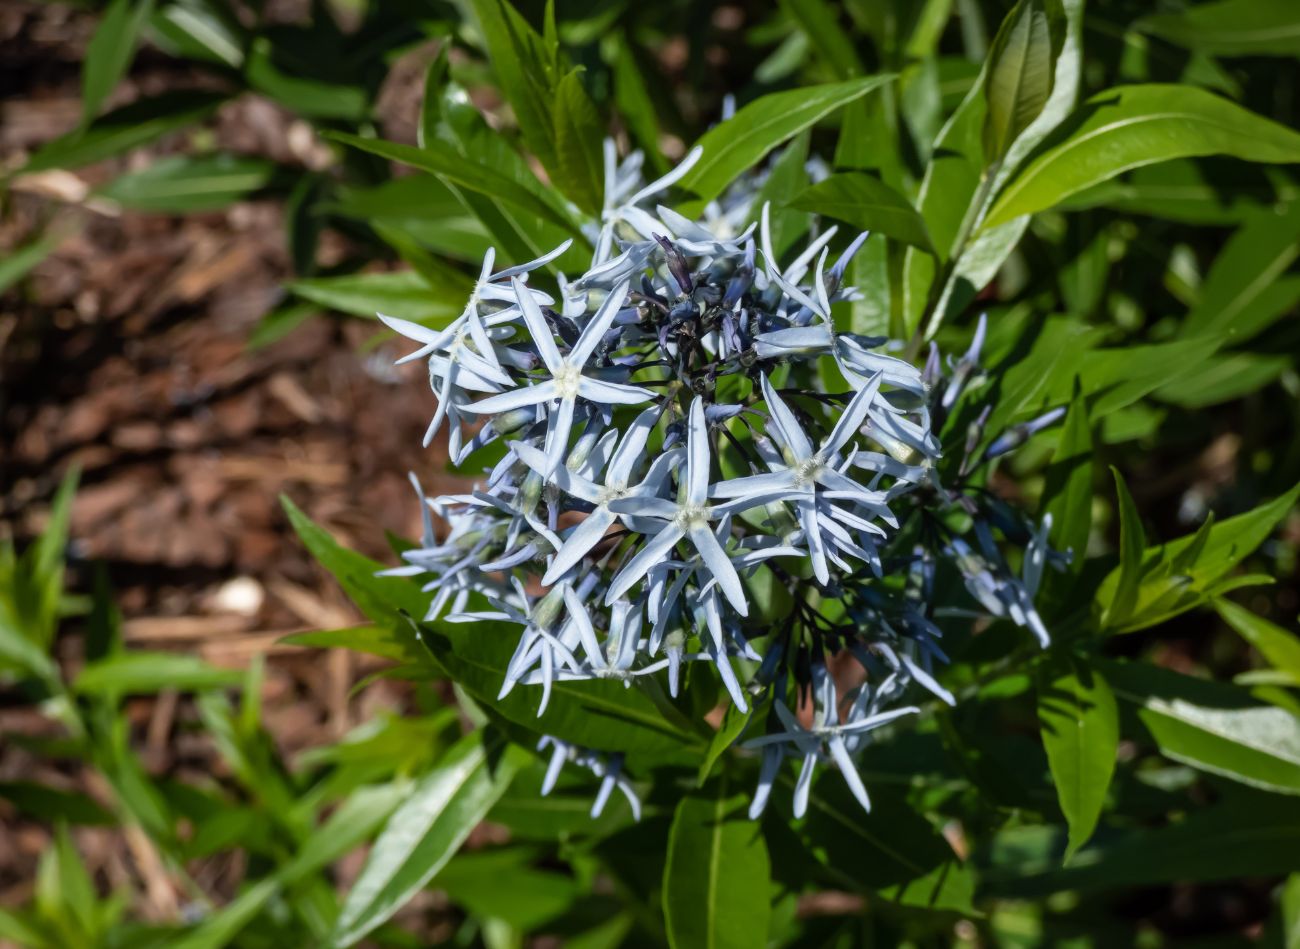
(685, 432)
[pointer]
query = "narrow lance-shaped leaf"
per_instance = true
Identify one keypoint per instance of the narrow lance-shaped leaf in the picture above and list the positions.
(1021, 71)
(180, 183)
(109, 52)
(442, 160)
(1131, 126)
(716, 875)
(425, 831)
(578, 133)
(738, 144)
(1185, 573)
(1132, 541)
(1231, 28)
(1067, 493)
(868, 204)
(1212, 726)
(1280, 647)
(1079, 724)
(123, 129)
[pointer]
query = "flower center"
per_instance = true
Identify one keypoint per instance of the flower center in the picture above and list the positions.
(693, 515)
(566, 381)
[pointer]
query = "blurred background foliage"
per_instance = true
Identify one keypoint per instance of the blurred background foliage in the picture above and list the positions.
(1167, 293)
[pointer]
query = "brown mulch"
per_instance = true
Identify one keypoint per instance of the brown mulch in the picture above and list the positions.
(126, 353)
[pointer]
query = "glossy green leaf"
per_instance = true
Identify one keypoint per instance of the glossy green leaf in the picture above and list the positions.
(525, 72)
(109, 52)
(1278, 646)
(1021, 71)
(1225, 377)
(716, 875)
(640, 720)
(501, 884)
(632, 96)
(123, 129)
(404, 294)
(425, 831)
(819, 21)
(1245, 274)
(1187, 572)
(959, 191)
(1238, 838)
(139, 671)
(179, 184)
(395, 642)
(347, 828)
(579, 131)
(1131, 126)
(381, 599)
(1079, 724)
(1214, 727)
(734, 723)
(442, 160)
(893, 851)
(1231, 28)
(1289, 907)
(868, 204)
(1132, 542)
(736, 145)
(1067, 491)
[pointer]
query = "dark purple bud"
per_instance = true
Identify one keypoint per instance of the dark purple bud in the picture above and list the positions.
(677, 265)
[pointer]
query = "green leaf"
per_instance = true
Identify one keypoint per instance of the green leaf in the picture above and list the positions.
(1187, 572)
(395, 642)
(716, 876)
(892, 851)
(425, 831)
(819, 21)
(1280, 648)
(123, 129)
(579, 132)
(960, 192)
(1079, 724)
(347, 828)
(633, 99)
(1067, 489)
(180, 184)
(601, 714)
(1132, 541)
(500, 884)
(525, 72)
(734, 723)
(442, 160)
(19, 262)
(1212, 726)
(1231, 28)
(109, 52)
(1244, 274)
(381, 599)
(1021, 71)
(313, 98)
(138, 671)
(202, 30)
(1259, 836)
(404, 294)
(736, 145)
(280, 322)
(868, 204)
(1131, 126)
